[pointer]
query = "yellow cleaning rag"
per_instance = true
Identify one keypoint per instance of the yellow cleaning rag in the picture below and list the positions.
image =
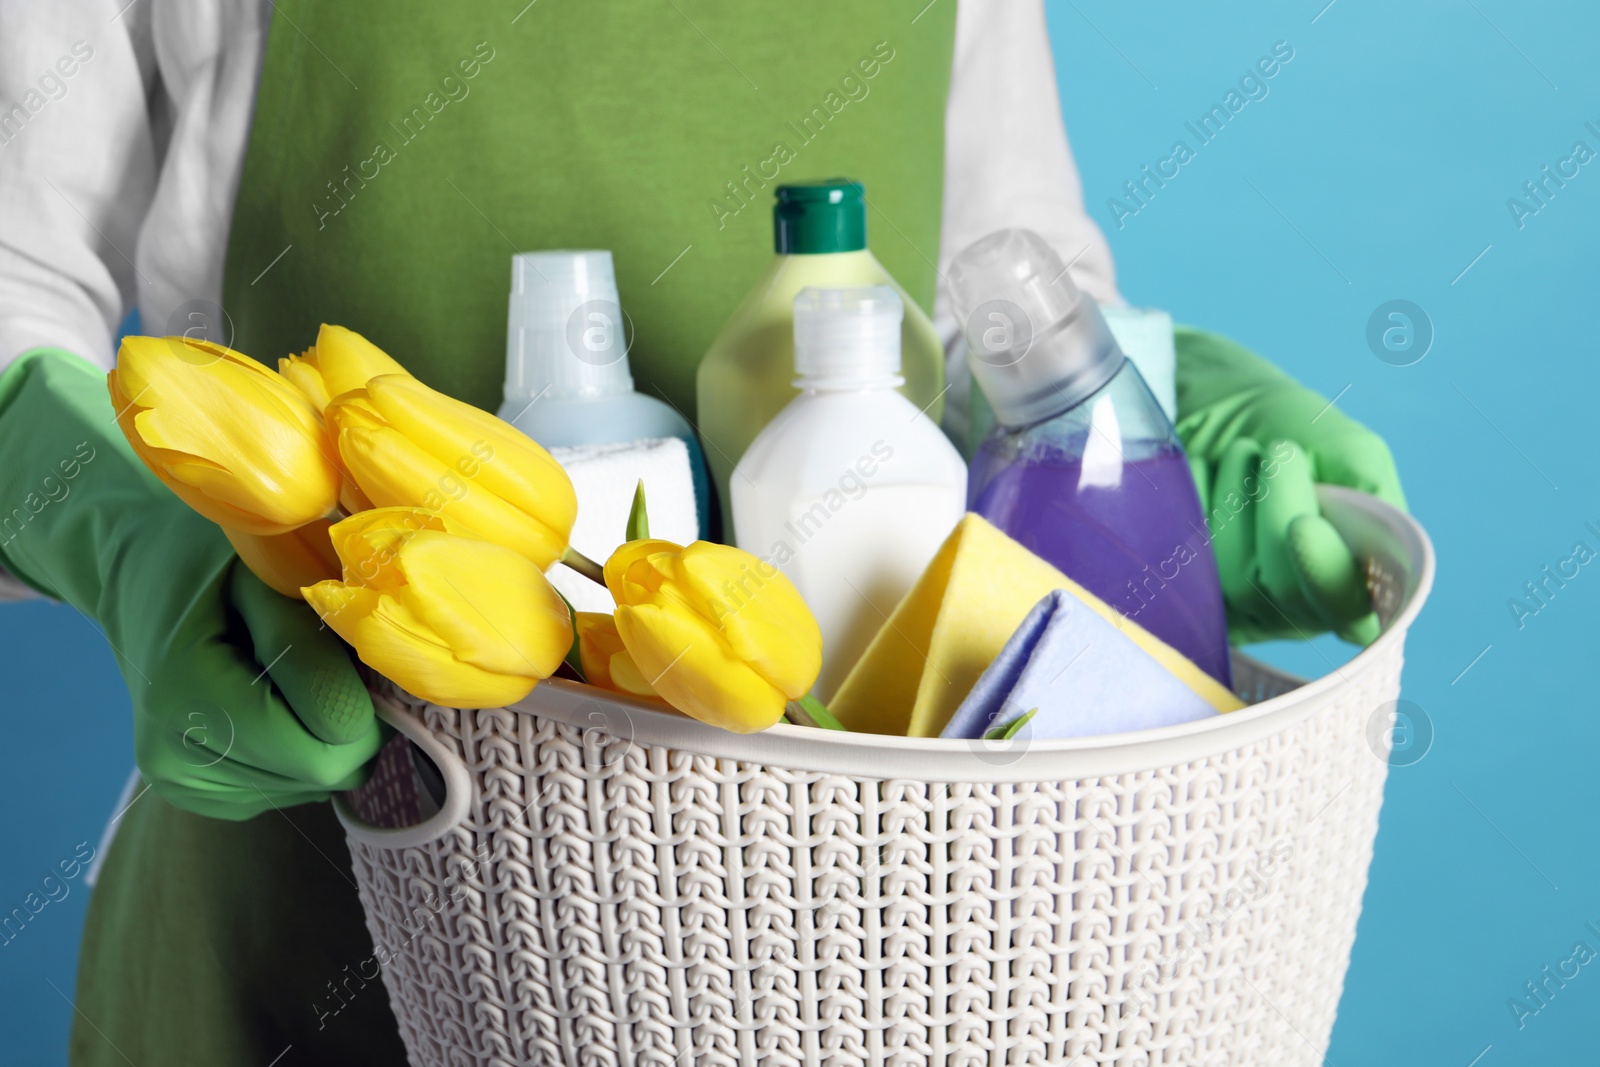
(954, 622)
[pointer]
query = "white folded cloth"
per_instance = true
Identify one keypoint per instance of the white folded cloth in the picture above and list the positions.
(605, 477)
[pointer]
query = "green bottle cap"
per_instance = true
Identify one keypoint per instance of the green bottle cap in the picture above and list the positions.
(820, 216)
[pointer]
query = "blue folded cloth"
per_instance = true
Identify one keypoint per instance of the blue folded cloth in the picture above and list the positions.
(1083, 674)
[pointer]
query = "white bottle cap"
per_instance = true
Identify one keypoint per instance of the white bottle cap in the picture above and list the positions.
(566, 335)
(848, 336)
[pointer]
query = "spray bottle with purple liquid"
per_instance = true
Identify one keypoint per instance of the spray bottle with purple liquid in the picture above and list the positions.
(1082, 466)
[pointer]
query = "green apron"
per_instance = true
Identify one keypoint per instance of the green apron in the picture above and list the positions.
(401, 153)
(397, 176)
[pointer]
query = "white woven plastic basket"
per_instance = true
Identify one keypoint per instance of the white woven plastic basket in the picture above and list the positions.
(605, 883)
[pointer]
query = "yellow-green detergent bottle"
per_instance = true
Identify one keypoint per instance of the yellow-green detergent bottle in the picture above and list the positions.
(746, 377)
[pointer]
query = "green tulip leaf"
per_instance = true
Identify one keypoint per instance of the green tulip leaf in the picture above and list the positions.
(574, 658)
(638, 521)
(1007, 730)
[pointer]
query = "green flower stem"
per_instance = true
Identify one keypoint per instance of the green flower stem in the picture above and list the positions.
(809, 711)
(584, 565)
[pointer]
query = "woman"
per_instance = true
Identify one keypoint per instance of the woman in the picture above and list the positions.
(248, 170)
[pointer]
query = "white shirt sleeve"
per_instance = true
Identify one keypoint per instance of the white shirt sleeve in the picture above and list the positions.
(1007, 163)
(77, 171)
(122, 133)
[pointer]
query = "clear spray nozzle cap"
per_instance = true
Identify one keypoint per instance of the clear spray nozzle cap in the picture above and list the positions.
(1036, 343)
(847, 335)
(566, 334)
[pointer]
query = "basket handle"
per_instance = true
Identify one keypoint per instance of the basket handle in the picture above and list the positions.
(458, 787)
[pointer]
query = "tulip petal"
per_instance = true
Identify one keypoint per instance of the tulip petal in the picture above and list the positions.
(626, 677)
(598, 641)
(207, 419)
(224, 515)
(392, 471)
(272, 497)
(606, 662)
(301, 373)
(635, 570)
(351, 498)
(396, 644)
(760, 613)
(346, 360)
(289, 562)
(369, 543)
(689, 665)
(492, 607)
(210, 381)
(507, 462)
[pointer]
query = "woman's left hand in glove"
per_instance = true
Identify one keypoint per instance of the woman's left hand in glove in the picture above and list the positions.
(1258, 443)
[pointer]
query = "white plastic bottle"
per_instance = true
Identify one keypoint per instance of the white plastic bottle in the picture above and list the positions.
(568, 384)
(819, 234)
(851, 489)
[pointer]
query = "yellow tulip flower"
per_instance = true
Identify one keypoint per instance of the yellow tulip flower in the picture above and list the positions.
(722, 635)
(456, 621)
(406, 445)
(605, 659)
(369, 542)
(289, 562)
(232, 438)
(341, 361)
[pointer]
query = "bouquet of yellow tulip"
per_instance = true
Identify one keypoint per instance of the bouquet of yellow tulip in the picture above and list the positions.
(420, 529)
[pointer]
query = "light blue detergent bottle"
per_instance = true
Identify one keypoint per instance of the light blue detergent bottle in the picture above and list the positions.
(567, 377)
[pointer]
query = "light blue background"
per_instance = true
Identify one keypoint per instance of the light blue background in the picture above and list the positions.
(1389, 146)
(1377, 168)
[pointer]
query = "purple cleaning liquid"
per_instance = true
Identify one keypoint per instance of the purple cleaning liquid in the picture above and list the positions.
(1128, 531)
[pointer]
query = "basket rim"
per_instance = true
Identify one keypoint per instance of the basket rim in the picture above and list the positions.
(1362, 519)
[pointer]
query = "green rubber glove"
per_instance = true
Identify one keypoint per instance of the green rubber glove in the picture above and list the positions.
(1258, 442)
(241, 700)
